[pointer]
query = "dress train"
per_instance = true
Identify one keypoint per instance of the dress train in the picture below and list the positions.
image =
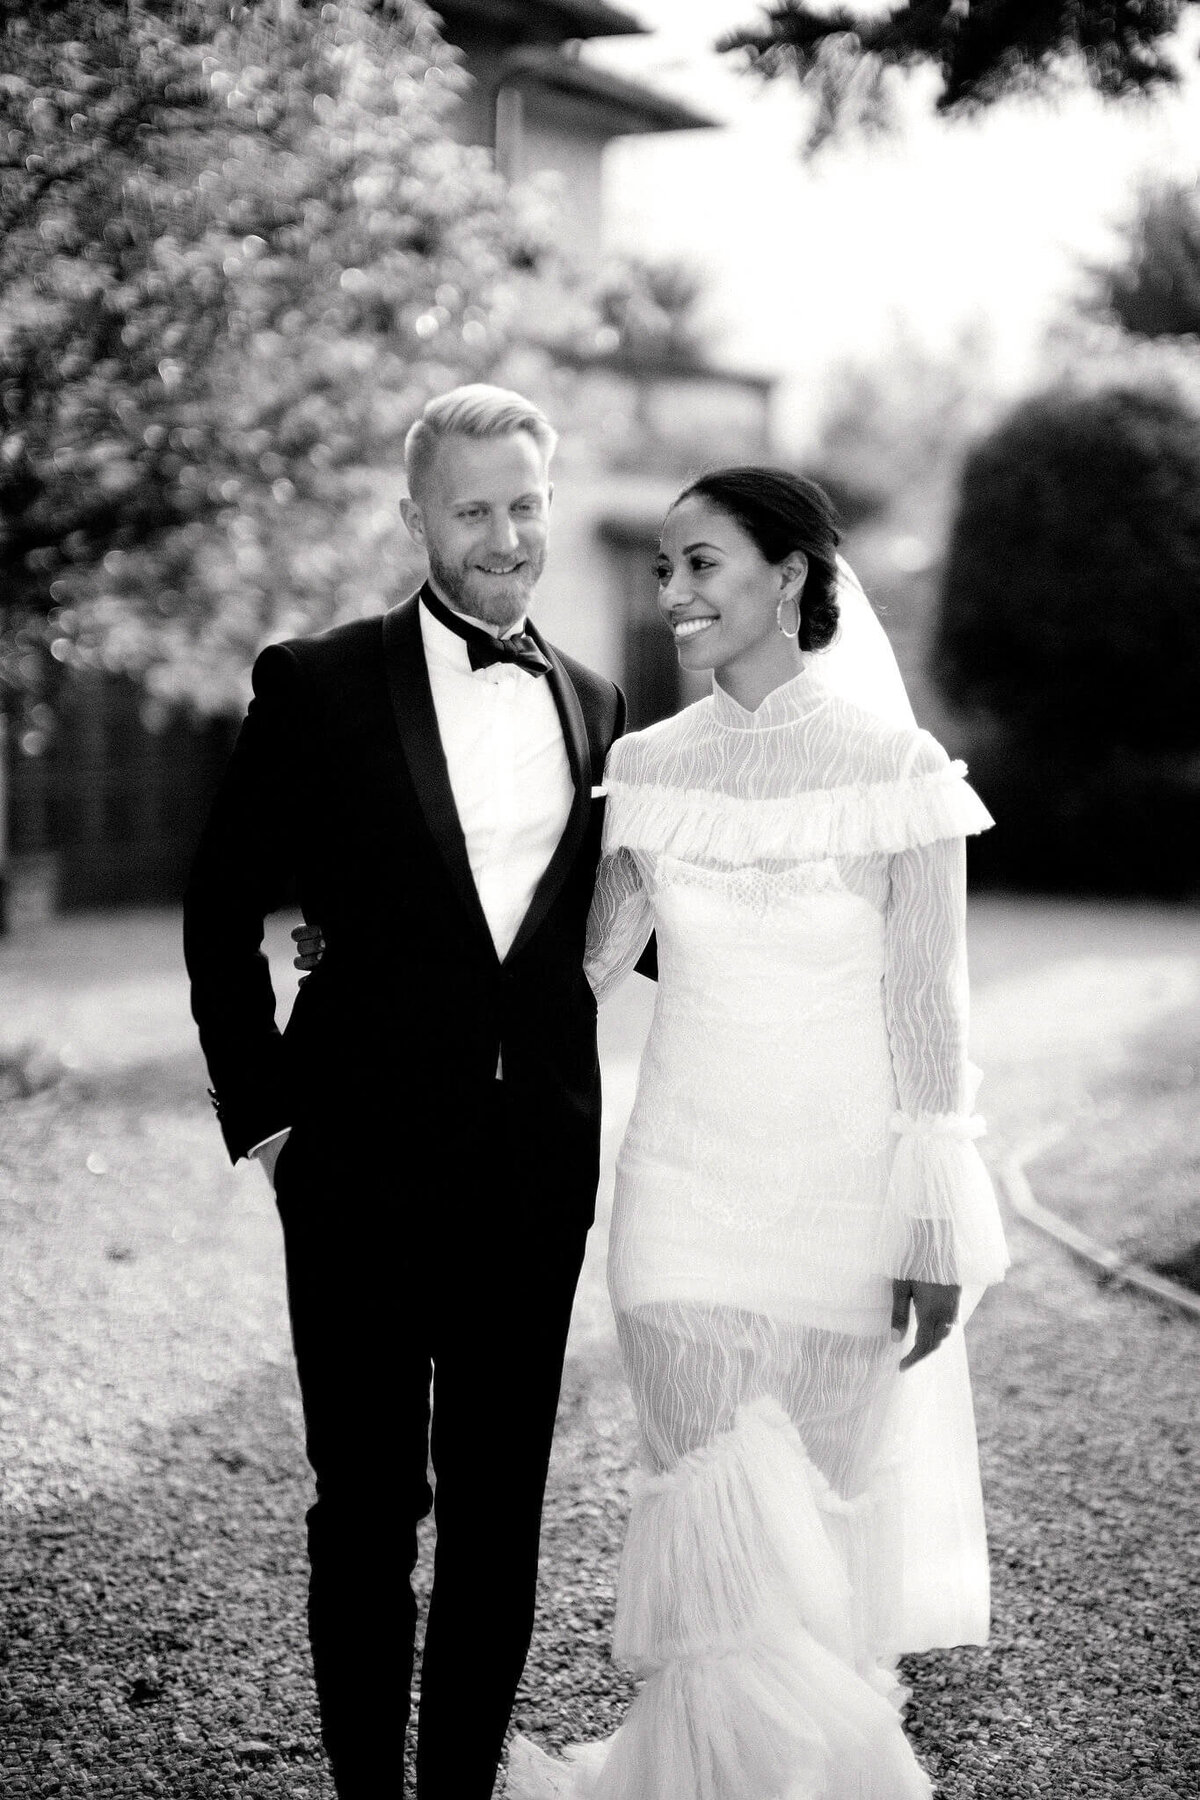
(749, 1597)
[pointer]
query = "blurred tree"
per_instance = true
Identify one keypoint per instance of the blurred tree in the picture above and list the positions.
(981, 49)
(237, 252)
(1154, 290)
(649, 310)
(1070, 635)
(900, 417)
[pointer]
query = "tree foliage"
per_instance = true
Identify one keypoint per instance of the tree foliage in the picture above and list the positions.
(239, 249)
(900, 416)
(1072, 581)
(649, 309)
(1154, 289)
(1070, 634)
(981, 50)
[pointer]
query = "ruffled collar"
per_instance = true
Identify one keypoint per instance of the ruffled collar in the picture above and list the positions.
(785, 705)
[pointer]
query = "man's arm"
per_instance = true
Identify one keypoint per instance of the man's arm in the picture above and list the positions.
(647, 962)
(620, 716)
(243, 870)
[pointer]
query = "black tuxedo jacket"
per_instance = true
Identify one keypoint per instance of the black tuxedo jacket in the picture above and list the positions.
(338, 793)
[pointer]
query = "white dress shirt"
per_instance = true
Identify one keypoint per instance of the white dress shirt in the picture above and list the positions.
(508, 768)
(509, 775)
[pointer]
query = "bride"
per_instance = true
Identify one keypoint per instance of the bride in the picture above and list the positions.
(798, 1189)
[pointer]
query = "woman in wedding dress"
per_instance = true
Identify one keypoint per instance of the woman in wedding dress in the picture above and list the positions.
(798, 1190)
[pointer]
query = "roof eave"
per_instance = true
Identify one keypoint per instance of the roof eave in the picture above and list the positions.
(569, 18)
(638, 109)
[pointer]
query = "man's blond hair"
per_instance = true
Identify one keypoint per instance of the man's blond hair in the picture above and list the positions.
(473, 411)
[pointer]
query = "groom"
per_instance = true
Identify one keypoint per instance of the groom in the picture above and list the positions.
(427, 784)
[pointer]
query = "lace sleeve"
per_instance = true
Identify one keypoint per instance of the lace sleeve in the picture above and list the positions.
(619, 924)
(941, 1222)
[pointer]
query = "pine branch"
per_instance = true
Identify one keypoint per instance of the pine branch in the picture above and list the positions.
(982, 49)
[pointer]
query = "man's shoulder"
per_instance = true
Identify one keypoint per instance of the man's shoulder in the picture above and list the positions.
(339, 644)
(341, 665)
(339, 654)
(602, 701)
(584, 677)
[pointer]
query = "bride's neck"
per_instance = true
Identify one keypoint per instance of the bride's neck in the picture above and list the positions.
(757, 672)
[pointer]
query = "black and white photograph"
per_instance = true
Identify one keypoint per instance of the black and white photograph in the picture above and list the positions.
(599, 900)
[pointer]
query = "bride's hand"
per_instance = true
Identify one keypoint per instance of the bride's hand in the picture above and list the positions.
(310, 947)
(936, 1307)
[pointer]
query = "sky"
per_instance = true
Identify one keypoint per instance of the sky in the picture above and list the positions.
(950, 226)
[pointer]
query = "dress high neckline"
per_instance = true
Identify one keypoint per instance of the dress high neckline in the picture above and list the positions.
(785, 705)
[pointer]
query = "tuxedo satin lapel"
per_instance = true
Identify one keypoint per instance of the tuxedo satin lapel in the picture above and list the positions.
(579, 758)
(416, 722)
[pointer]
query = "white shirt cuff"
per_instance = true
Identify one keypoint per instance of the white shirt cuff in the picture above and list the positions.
(276, 1137)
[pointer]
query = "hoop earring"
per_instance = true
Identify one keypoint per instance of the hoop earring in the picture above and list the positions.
(779, 615)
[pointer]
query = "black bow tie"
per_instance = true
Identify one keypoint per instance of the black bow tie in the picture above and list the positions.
(482, 648)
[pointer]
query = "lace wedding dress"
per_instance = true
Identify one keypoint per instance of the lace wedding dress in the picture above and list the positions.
(802, 1133)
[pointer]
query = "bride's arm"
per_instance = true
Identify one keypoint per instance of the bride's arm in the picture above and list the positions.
(619, 924)
(941, 1221)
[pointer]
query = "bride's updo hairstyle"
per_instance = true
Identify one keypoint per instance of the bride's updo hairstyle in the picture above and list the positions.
(780, 513)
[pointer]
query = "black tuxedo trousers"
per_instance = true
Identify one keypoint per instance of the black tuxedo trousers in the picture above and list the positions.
(433, 1216)
(429, 1342)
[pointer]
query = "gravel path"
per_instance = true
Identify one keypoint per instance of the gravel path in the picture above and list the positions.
(1129, 1173)
(151, 1564)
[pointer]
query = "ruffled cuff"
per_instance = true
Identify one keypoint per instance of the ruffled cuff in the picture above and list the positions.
(940, 1219)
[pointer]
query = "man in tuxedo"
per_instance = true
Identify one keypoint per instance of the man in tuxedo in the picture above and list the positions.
(427, 783)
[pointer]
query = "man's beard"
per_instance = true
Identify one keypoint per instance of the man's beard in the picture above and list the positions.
(501, 603)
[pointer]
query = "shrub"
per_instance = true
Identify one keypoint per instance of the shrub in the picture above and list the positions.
(1069, 633)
